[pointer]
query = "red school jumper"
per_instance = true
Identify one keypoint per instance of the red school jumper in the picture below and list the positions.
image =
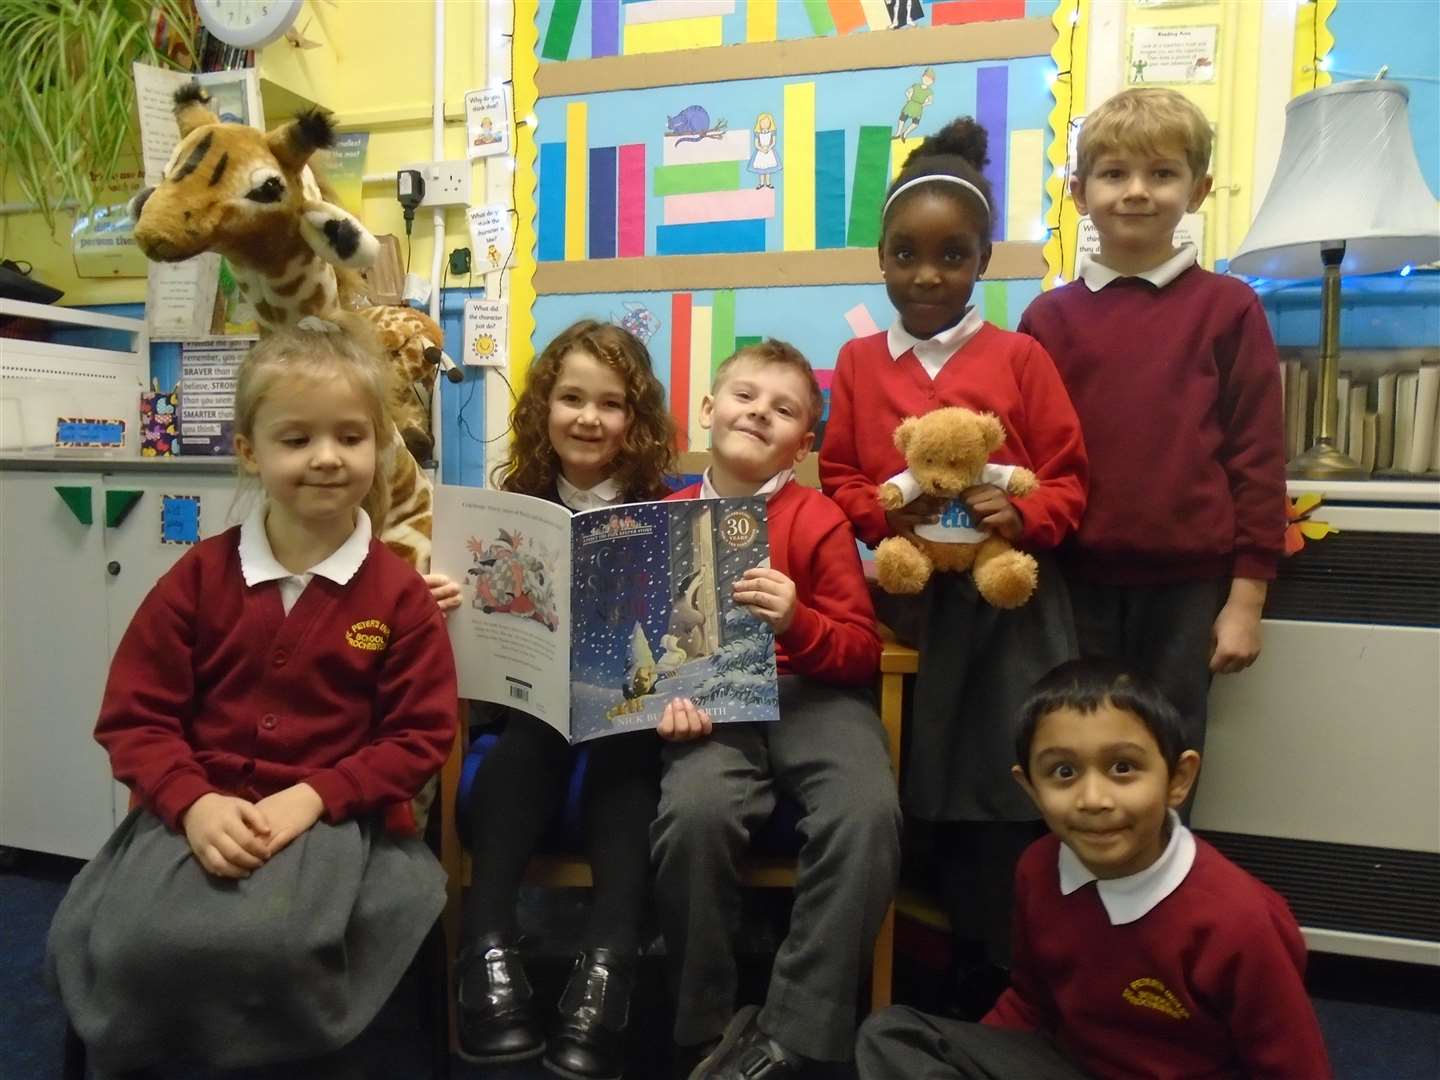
(832, 638)
(995, 371)
(1178, 390)
(215, 688)
(1207, 985)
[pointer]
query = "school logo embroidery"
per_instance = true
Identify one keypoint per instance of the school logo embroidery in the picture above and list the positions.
(372, 635)
(1152, 994)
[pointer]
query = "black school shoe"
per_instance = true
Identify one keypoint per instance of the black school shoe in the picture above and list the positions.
(747, 1053)
(588, 1040)
(495, 1006)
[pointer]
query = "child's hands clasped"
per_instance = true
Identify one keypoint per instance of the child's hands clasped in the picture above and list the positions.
(443, 591)
(683, 721)
(228, 836)
(991, 509)
(290, 813)
(768, 595)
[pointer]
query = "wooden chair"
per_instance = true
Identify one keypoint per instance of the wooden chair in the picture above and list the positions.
(572, 871)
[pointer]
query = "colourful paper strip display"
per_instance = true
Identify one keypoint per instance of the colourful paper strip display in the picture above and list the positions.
(722, 328)
(680, 305)
(820, 19)
(701, 319)
(798, 165)
(876, 17)
(706, 149)
(550, 203)
(576, 124)
(761, 20)
(958, 12)
(720, 206)
(673, 36)
(602, 202)
(867, 193)
(994, 304)
(631, 202)
(654, 11)
(830, 189)
(711, 238)
(992, 89)
(604, 28)
(847, 15)
(561, 30)
(1025, 186)
(900, 151)
(691, 179)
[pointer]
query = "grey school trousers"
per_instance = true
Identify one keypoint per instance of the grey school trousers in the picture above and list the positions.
(828, 753)
(900, 1043)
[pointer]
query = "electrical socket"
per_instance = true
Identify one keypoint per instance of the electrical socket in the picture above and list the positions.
(447, 183)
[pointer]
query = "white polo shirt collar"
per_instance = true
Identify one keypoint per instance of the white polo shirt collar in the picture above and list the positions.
(259, 565)
(935, 352)
(767, 489)
(1130, 898)
(605, 493)
(1097, 275)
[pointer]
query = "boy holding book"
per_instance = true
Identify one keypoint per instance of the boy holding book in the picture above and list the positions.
(827, 752)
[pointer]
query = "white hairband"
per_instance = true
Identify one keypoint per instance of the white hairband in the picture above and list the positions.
(946, 177)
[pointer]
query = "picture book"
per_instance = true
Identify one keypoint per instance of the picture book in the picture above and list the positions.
(592, 622)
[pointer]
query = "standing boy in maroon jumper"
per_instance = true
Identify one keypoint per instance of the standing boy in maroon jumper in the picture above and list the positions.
(1176, 381)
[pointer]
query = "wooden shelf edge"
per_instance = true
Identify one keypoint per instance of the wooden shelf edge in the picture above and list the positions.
(772, 269)
(1001, 40)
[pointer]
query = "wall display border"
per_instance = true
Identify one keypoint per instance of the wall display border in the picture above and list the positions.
(828, 266)
(1002, 40)
(1072, 46)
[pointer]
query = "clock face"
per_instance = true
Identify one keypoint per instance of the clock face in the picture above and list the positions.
(248, 24)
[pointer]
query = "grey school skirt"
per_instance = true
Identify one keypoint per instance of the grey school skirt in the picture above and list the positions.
(156, 960)
(977, 664)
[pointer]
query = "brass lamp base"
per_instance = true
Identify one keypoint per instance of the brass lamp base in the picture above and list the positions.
(1323, 462)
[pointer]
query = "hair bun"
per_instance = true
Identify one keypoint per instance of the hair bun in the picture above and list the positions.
(963, 137)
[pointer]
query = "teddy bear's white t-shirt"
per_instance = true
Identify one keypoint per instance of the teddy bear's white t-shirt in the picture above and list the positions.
(955, 525)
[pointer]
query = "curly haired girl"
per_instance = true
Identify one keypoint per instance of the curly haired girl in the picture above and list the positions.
(591, 430)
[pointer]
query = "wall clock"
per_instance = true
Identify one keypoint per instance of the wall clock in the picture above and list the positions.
(248, 24)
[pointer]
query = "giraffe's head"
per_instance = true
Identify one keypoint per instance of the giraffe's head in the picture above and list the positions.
(246, 194)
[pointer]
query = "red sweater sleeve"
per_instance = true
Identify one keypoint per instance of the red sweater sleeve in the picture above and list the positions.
(1272, 1022)
(832, 638)
(1057, 454)
(415, 719)
(840, 474)
(150, 698)
(1252, 454)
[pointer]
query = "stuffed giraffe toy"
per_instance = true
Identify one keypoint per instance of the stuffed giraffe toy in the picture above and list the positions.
(252, 197)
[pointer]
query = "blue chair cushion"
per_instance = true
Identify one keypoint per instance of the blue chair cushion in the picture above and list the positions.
(779, 836)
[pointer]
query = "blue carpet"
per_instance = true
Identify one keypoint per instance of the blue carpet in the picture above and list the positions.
(1380, 1020)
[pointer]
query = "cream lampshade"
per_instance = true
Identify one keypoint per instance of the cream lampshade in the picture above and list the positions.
(1347, 196)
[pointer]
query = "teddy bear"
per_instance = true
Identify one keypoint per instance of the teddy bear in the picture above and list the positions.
(946, 451)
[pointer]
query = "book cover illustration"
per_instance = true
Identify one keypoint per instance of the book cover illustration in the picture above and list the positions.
(654, 618)
(509, 576)
(594, 622)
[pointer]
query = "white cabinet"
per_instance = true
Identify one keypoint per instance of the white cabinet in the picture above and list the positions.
(67, 593)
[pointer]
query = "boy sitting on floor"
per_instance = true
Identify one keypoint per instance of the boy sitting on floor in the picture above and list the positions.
(1139, 950)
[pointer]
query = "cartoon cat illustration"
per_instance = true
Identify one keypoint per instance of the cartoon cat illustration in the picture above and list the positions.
(694, 122)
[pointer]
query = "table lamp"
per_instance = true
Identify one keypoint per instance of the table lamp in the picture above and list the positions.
(1347, 196)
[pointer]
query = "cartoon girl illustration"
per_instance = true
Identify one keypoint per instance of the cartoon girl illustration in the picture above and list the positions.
(765, 162)
(916, 98)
